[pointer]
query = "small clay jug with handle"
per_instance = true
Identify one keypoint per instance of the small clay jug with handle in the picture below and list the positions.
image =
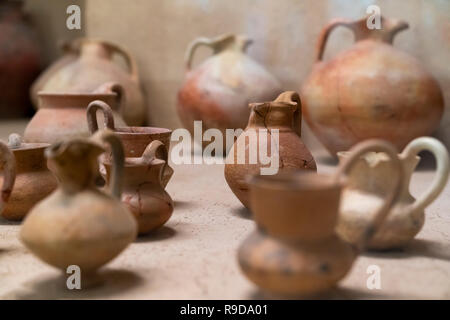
(368, 183)
(295, 249)
(85, 65)
(63, 115)
(269, 121)
(8, 170)
(134, 139)
(371, 90)
(34, 181)
(79, 224)
(143, 192)
(218, 91)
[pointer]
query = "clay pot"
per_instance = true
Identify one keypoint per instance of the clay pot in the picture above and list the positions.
(79, 224)
(8, 167)
(218, 91)
(89, 63)
(371, 90)
(63, 115)
(20, 59)
(134, 139)
(368, 182)
(284, 115)
(34, 181)
(295, 249)
(144, 193)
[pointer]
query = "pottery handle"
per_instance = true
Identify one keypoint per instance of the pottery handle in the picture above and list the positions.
(8, 163)
(156, 150)
(324, 34)
(375, 145)
(91, 114)
(114, 87)
(118, 159)
(442, 171)
(129, 58)
(202, 41)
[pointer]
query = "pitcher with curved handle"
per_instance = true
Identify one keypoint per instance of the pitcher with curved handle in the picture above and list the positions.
(288, 153)
(89, 63)
(295, 249)
(370, 179)
(371, 90)
(134, 139)
(218, 91)
(79, 224)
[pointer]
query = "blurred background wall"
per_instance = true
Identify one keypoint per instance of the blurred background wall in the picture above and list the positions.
(157, 32)
(49, 18)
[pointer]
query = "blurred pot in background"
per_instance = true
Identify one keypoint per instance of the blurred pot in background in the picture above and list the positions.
(63, 115)
(371, 90)
(218, 91)
(88, 63)
(20, 59)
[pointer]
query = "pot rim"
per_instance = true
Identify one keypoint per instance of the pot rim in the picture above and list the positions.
(295, 181)
(30, 146)
(141, 130)
(81, 94)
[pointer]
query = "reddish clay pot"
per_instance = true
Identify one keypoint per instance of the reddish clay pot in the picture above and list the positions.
(134, 139)
(284, 115)
(20, 60)
(87, 64)
(371, 90)
(63, 115)
(34, 181)
(218, 91)
(143, 189)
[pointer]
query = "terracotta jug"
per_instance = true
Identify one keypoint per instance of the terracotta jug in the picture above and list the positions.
(63, 115)
(134, 139)
(8, 169)
(284, 115)
(144, 193)
(34, 181)
(79, 224)
(218, 91)
(20, 59)
(87, 64)
(295, 249)
(368, 182)
(372, 90)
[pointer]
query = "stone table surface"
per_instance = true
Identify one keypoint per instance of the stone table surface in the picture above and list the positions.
(194, 255)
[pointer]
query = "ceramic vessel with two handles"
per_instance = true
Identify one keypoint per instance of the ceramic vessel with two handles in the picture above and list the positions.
(282, 115)
(86, 65)
(369, 181)
(143, 187)
(79, 224)
(371, 90)
(295, 249)
(135, 140)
